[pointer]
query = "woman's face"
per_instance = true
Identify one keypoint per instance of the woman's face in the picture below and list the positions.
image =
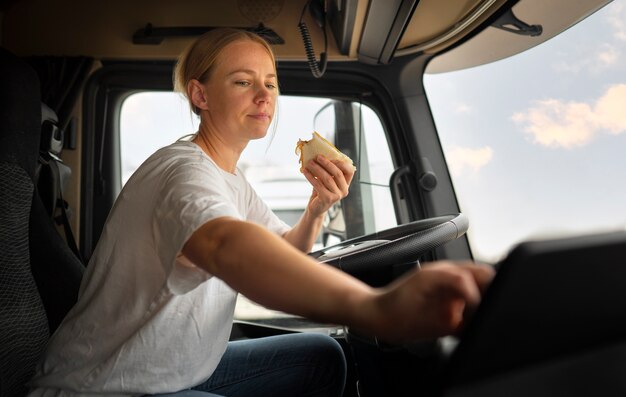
(242, 91)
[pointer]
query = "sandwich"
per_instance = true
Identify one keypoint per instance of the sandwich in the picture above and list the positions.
(319, 145)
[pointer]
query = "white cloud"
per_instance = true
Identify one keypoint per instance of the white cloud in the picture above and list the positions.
(556, 124)
(606, 56)
(461, 158)
(617, 20)
(464, 108)
(596, 58)
(610, 110)
(553, 123)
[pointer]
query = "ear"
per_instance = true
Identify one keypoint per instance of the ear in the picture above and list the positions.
(195, 91)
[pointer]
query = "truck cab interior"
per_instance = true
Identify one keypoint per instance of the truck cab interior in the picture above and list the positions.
(487, 130)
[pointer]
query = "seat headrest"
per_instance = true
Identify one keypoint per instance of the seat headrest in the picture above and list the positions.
(51, 135)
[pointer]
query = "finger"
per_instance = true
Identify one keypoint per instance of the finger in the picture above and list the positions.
(338, 174)
(449, 291)
(348, 170)
(475, 279)
(335, 167)
(316, 183)
(457, 280)
(483, 274)
(326, 197)
(325, 177)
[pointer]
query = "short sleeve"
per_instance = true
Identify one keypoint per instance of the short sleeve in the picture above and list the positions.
(191, 195)
(260, 213)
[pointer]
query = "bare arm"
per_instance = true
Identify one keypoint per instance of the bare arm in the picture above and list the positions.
(331, 182)
(273, 273)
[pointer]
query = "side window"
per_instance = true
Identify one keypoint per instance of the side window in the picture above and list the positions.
(149, 121)
(357, 131)
(271, 164)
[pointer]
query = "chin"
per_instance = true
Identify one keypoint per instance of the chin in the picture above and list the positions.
(258, 135)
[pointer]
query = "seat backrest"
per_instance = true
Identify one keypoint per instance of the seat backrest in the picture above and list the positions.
(39, 275)
(24, 331)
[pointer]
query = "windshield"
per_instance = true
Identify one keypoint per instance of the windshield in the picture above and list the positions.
(536, 143)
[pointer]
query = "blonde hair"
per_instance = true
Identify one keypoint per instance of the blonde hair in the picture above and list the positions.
(198, 60)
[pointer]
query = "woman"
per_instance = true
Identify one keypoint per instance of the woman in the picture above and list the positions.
(156, 304)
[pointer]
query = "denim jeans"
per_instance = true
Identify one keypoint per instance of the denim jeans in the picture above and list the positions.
(303, 364)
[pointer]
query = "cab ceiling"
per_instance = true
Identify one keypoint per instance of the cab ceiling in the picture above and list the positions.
(104, 29)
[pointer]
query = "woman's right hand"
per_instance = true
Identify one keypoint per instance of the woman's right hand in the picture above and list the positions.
(431, 302)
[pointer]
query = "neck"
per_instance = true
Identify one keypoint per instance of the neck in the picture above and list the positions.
(223, 152)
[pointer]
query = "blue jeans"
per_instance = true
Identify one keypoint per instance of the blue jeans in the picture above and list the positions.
(302, 364)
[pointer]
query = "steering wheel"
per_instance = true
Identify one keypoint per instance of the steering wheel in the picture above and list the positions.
(398, 245)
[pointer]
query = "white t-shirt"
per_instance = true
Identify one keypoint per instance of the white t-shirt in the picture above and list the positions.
(146, 321)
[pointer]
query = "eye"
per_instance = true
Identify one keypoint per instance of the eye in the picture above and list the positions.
(242, 83)
(271, 86)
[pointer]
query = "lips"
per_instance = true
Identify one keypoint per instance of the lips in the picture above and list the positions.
(260, 116)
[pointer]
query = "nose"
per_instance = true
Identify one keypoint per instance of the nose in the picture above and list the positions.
(264, 95)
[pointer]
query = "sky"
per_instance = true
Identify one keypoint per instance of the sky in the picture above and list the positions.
(541, 151)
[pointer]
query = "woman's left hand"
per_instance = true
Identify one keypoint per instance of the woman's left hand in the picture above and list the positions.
(330, 181)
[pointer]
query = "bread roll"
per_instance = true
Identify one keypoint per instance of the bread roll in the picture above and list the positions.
(318, 145)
